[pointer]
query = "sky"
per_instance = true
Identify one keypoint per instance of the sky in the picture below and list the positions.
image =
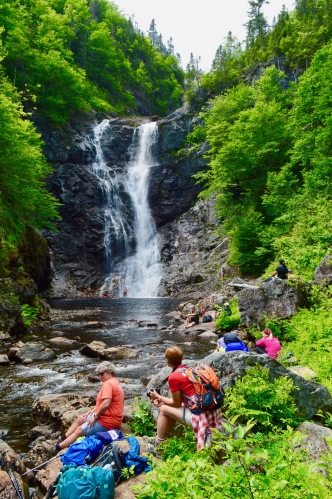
(196, 26)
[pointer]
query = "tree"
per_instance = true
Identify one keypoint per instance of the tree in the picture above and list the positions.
(153, 33)
(23, 196)
(257, 26)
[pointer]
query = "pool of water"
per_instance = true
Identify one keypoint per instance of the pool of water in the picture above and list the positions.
(139, 323)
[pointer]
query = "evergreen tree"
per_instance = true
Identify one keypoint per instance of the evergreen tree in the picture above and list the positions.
(153, 33)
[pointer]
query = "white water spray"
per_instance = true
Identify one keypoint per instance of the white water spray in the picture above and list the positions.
(142, 269)
(117, 230)
(130, 236)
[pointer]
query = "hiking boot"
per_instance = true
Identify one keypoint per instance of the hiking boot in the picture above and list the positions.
(152, 448)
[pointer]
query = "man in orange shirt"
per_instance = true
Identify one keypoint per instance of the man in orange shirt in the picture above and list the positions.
(106, 415)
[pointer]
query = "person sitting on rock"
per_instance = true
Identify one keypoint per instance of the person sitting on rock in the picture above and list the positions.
(192, 318)
(233, 343)
(174, 409)
(106, 415)
(281, 271)
(268, 344)
(226, 309)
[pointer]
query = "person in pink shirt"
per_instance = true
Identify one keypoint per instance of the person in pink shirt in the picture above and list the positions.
(268, 344)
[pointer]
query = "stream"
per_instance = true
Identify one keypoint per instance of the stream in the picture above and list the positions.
(140, 323)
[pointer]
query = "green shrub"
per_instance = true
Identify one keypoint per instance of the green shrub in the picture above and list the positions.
(29, 314)
(239, 464)
(226, 322)
(183, 444)
(309, 336)
(270, 403)
(142, 422)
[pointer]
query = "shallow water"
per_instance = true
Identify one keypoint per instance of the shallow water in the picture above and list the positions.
(116, 323)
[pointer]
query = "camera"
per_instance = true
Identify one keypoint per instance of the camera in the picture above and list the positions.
(151, 390)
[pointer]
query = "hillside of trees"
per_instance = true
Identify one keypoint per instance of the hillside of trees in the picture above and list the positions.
(266, 114)
(60, 58)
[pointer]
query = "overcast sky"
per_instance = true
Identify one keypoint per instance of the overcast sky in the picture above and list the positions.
(197, 26)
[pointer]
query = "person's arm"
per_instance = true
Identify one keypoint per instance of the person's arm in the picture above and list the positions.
(175, 401)
(274, 274)
(106, 403)
(260, 343)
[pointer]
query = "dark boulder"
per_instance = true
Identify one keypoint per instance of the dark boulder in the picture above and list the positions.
(323, 273)
(272, 300)
(32, 352)
(310, 397)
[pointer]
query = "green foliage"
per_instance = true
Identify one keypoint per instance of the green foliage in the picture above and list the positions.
(23, 197)
(309, 334)
(142, 422)
(183, 444)
(80, 55)
(269, 403)
(225, 322)
(239, 464)
(197, 136)
(29, 314)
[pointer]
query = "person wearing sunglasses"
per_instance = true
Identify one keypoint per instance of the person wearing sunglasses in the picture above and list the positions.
(107, 413)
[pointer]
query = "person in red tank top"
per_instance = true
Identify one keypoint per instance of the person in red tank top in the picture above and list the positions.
(175, 409)
(171, 409)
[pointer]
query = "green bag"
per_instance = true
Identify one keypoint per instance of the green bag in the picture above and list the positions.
(83, 482)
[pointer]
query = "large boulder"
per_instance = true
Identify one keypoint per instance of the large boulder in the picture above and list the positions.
(62, 409)
(31, 352)
(310, 397)
(323, 273)
(315, 439)
(16, 468)
(272, 300)
(99, 350)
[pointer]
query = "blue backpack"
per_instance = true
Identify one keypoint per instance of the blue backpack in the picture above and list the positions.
(83, 452)
(84, 482)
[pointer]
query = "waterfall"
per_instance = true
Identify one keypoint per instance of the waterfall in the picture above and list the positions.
(131, 240)
(117, 229)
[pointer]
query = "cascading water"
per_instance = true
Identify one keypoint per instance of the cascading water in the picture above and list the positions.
(117, 229)
(131, 240)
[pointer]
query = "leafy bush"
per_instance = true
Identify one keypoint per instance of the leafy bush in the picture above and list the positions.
(270, 403)
(309, 333)
(254, 466)
(226, 322)
(142, 422)
(29, 314)
(182, 444)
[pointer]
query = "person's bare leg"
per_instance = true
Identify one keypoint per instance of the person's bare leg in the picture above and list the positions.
(71, 438)
(78, 422)
(167, 418)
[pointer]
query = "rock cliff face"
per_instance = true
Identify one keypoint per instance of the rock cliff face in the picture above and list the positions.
(78, 248)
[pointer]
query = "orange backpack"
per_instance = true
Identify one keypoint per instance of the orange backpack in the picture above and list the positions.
(209, 395)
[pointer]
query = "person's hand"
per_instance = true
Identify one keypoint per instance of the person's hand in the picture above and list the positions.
(88, 413)
(154, 395)
(92, 420)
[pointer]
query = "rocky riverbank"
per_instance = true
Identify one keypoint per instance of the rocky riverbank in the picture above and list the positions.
(52, 413)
